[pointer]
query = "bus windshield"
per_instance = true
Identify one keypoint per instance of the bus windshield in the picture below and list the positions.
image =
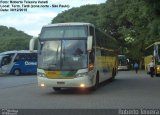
(63, 32)
(62, 54)
(122, 60)
(6, 59)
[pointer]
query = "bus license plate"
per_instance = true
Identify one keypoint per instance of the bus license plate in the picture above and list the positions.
(60, 82)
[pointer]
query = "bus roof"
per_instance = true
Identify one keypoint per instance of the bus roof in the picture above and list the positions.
(69, 24)
(155, 43)
(16, 51)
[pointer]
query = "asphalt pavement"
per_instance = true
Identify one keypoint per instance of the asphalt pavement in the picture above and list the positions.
(128, 91)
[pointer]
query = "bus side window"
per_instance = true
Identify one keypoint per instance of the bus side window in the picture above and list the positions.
(23, 56)
(34, 56)
(29, 57)
(20, 57)
(17, 58)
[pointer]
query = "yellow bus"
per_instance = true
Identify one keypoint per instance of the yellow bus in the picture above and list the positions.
(72, 55)
(152, 52)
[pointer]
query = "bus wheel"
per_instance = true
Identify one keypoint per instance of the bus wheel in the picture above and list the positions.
(113, 75)
(156, 75)
(17, 72)
(56, 88)
(97, 83)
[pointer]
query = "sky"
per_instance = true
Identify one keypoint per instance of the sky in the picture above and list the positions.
(33, 19)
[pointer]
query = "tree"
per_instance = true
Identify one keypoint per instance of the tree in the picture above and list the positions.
(134, 23)
(11, 39)
(87, 13)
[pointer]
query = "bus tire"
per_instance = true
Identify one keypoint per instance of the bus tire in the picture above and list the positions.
(97, 82)
(113, 75)
(17, 72)
(56, 88)
(157, 75)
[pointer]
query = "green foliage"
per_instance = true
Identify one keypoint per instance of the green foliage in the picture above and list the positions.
(105, 40)
(11, 39)
(134, 23)
(86, 13)
(138, 20)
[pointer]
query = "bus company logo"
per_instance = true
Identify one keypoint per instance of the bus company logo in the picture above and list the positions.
(30, 63)
(9, 112)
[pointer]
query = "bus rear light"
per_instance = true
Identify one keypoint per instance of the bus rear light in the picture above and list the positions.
(91, 67)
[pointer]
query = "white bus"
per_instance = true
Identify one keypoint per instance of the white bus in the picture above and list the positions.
(69, 56)
(123, 62)
(18, 62)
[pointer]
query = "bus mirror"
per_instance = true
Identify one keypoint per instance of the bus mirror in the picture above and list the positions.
(89, 43)
(32, 44)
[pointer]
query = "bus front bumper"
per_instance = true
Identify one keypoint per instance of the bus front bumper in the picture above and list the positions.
(122, 68)
(84, 82)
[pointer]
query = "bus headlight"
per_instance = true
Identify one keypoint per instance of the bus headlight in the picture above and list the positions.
(82, 85)
(41, 74)
(42, 85)
(81, 74)
(158, 68)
